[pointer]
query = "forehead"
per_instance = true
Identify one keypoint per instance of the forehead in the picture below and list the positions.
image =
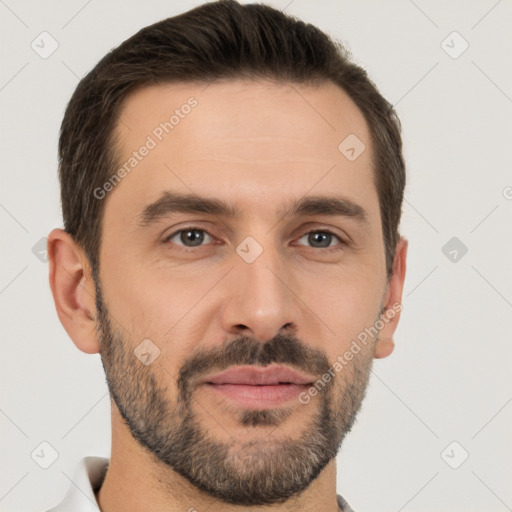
(243, 141)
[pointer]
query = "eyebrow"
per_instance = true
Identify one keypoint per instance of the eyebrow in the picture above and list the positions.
(173, 202)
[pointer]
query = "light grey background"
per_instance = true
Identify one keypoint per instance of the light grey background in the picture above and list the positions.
(449, 377)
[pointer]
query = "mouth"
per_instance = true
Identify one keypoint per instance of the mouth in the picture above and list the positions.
(258, 387)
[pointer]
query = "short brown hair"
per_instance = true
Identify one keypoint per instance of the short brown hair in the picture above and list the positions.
(217, 40)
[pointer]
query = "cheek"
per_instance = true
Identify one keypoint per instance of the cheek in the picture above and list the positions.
(346, 301)
(154, 305)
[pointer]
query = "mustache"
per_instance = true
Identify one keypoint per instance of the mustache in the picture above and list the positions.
(244, 350)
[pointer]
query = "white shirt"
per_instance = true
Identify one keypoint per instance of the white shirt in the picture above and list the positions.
(88, 479)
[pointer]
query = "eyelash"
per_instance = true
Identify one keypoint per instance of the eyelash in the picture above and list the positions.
(337, 247)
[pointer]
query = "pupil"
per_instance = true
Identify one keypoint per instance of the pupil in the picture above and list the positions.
(192, 237)
(320, 239)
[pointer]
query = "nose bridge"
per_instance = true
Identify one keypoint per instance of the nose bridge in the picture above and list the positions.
(263, 282)
(261, 304)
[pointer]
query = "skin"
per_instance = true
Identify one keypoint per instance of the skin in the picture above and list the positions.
(257, 146)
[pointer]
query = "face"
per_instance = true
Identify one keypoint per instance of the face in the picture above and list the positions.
(242, 237)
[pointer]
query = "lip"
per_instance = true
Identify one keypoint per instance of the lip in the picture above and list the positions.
(258, 388)
(260, 376)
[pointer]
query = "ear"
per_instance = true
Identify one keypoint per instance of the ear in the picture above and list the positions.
(73, 290)
(392, 302)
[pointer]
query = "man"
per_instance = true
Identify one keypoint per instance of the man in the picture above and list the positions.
(231, 192)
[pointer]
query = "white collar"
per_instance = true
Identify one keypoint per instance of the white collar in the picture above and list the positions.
(89, 475)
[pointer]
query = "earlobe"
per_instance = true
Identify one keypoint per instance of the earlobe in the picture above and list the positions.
(384, 347)
(393, 302)
(73, 290)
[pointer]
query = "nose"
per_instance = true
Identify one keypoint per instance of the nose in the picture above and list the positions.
(259, 301)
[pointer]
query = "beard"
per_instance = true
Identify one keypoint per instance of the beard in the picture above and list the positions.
(262, 471)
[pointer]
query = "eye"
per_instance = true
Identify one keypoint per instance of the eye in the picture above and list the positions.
(321, 239)
(189, 237)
